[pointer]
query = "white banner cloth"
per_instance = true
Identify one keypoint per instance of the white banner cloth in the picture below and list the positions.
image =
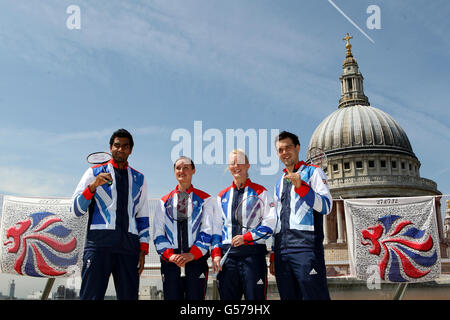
(395, 237)
(40, 237)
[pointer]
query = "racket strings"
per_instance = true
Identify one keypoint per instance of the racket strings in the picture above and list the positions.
(179, 210)
(182, 215)
(236, 218)
(249, 214)
(182, 208)
(98, 157)
(318, 157)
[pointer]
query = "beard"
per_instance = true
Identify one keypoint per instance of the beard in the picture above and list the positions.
(290, 162)
(119, 158)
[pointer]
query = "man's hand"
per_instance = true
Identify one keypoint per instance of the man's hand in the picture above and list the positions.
(100, 180)
(272, 268)
(294, 178)
(141, 262)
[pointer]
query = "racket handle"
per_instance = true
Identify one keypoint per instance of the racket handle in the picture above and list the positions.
(108, 182)
(224, 258)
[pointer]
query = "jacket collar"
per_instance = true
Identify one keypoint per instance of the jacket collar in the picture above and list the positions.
(189, 190)
(114, 164)
(296, 167)
(246, 184)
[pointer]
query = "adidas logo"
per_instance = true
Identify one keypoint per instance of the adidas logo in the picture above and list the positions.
(313, 272)
(202, 276)
(260, 282)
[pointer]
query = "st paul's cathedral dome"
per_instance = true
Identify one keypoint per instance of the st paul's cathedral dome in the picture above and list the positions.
(369, 154)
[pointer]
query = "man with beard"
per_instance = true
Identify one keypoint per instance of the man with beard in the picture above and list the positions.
(301, 199)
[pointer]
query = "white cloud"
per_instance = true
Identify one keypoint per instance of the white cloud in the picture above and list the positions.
(34, 182)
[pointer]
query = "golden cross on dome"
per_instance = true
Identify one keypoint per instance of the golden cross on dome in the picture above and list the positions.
(347, 38)
(348, 46)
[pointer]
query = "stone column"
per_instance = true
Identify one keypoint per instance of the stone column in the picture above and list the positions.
(325, 230)
(340, 221)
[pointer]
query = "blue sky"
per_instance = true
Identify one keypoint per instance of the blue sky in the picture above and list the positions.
(153, 67)
(156, 66)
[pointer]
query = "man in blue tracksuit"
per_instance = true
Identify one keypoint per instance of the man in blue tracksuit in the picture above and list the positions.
(301, 198)
(184, 244)
(118, 229)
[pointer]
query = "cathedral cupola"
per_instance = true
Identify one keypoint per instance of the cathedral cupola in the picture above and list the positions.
(352, 91)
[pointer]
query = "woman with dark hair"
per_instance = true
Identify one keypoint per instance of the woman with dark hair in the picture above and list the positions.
(184, 244)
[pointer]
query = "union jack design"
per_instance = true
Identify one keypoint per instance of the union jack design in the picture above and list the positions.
(406, 246)
(41, 237)
(397, 236)
(38, 244)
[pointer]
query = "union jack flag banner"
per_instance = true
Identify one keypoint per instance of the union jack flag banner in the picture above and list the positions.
(40, 237)
(396, 238)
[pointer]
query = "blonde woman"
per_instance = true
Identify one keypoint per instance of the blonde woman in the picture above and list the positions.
(244, 272)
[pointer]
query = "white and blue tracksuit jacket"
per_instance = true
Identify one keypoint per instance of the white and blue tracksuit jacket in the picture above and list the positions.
(199, 228)
(300, 210)
(102, 205)
(225, 212)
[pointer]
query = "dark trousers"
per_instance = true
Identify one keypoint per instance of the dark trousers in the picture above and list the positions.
(97, 268)
(301, 276)
(191, 287)
(243, 275)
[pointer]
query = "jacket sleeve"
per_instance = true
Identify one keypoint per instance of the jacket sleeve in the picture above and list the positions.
(204, 239)
(268, 223)
(82, 196)
(161, 239)
(142, 218)
(316, 194)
